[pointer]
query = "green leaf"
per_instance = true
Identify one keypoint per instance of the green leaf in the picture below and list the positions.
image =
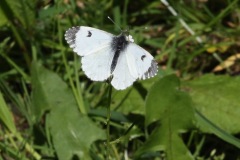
(217, 98)
(128, 101)
(173, 108)
(46, 87)
(164, 99)
(71, 132)
(132, 100)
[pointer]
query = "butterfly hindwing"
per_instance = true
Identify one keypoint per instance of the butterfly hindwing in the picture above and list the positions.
(97, 64)
(122, 78)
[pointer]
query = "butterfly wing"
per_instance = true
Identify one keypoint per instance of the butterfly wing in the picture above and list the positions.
(140, 63)
(84, 39)
(94, 46)
(97, 65)
(133, 63)
(122, 77)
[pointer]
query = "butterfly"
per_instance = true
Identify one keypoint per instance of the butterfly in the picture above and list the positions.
(106, 56)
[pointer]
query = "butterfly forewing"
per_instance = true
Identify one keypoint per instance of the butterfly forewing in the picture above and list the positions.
(94, 46)
(83, 39)
(139, 60)
(151, 72)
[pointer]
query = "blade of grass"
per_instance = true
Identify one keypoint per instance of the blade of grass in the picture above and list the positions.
(198, 38)
(220, 16)
(204, 122)
(16, 67)
(78, 87)
(10, 152)
(125, 13)
(117, 18)
(10, 16)
(6, 116)
(173, 49)
(76, 91)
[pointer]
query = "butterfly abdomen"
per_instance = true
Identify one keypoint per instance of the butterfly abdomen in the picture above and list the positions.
(119, 44)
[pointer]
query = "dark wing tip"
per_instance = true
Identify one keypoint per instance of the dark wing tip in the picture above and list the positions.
(152, 71)
(70, 35)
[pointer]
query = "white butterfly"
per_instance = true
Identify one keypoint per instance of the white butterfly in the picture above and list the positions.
(105, 55)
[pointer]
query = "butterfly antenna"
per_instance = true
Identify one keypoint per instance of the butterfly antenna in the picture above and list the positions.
(114, 23)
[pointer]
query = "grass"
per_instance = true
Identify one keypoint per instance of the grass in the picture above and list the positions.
(50, 110)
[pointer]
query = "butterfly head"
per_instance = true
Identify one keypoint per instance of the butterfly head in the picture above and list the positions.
(128, 37)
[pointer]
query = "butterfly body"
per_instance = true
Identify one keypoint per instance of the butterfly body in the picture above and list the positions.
(118, 45)
(105, 55)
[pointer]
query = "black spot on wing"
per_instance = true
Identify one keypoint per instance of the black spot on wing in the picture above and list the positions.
(89, 34)
(118, 45)
(70, 36)
(152, 71)
(143, 56)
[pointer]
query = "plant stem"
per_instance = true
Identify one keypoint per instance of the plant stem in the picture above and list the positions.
(108, 119)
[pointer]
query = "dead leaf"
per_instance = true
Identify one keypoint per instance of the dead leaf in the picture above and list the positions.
(227, 63)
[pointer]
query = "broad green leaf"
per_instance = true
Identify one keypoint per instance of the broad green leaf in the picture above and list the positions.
(46, 87)
(217, 98)
(132, 100)
(173, 109)
(128, 101)
(71, 132)
(166, 98)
